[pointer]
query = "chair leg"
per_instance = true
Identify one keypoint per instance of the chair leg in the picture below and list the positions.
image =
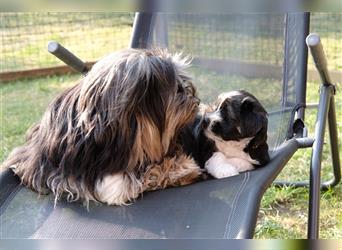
(325, 102)
(333, 135)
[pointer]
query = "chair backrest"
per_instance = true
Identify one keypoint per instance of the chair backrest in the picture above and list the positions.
(264, 54)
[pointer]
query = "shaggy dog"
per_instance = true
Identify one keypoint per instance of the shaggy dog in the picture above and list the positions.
(114, 134)
(228, 137)
(132, 124)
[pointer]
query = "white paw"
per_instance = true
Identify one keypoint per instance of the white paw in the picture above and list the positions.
(218, 166)
(118, 189)
(222, 171)
(241, 165)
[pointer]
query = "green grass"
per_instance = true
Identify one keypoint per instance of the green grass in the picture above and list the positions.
(89, 35)
(22, 104)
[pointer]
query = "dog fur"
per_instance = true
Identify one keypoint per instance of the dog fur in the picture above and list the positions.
(230, 136)
(114, 134)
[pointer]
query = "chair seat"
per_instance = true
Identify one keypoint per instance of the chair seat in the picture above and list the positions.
(216, 208)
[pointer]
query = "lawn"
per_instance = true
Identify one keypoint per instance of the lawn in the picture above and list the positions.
(283, 213)
(24, 36)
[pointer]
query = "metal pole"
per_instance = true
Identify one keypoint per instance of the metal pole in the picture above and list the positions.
(302, 63)
(67, 57)
(142, 30)
(295, 64)
(314, 43)
(333, 135)
(316, 158)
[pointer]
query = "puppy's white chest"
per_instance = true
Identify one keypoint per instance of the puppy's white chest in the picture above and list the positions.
(230, 159)
(234, 149)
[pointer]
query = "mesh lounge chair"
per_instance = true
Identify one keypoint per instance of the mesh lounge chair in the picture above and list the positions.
(216, 208)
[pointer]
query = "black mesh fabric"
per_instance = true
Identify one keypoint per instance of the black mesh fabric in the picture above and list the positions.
(225, 208)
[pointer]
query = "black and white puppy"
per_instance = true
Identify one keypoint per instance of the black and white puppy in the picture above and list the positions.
(230, 136)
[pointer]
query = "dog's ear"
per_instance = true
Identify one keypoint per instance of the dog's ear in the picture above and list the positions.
(250, 104)
(253, 117)
(153, 91)
(247, 105)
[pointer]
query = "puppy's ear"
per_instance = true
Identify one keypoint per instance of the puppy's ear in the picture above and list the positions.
(250, 104)
(253, 117)
(247, 105)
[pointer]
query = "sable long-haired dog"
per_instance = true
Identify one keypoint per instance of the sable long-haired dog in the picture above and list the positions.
(229, 136)
(114, 134)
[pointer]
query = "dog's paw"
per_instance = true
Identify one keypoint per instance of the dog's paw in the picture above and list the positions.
(219, 168)
(175, 171)
(222, 171)
(118, 189)
(240, 164)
